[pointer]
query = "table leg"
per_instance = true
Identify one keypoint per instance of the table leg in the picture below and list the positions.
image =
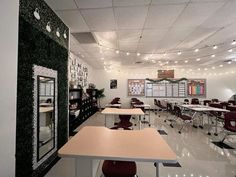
(139, 122)
(149, 117)
(216, 134)
(209, 133)
(194, 114)
(157, 169)
(105, 121)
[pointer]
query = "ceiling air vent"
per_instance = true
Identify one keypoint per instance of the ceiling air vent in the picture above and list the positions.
(138, 62)
(84, 38)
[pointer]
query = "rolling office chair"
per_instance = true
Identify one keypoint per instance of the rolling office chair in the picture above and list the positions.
(206, 102)
(112, 168)
(185, 118)
(156, 106)
(195, 101)
(186, 101)
(215, 100)
(232, 102)
(171, 111)
(229, 124)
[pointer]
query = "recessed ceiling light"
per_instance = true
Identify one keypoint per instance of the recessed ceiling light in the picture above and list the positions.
(221, 66)
(127, 53)
(138, 54)
(176, 62)
(233, 43)
(213, 67)
(198, 59)
(196, 50)
(212, 56)
(100, 51)
(230, 50)
(102, 58)
(199, 69)
(186, 61)
(146, 59)
(153, 61)
(167, 62)
(165, 54)
(179, 53)
(205, 69)
(117, 51)
(229, 62)
(215, 47)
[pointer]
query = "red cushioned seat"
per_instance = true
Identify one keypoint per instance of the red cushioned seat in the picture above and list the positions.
(112, 168)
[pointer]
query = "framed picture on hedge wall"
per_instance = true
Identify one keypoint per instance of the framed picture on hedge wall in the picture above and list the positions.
(113, 84)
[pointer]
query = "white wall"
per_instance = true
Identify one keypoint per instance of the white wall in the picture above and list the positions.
(221, 86)
(8, 79)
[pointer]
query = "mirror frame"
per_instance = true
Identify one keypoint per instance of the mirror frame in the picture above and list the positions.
(43, 72)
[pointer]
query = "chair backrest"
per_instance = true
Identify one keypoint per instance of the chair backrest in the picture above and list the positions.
(155, 102)
(177, 111)
(195, 101)
(231, 108)
(232, 102)
(214, 100)
(230, 117)
(186, 100)
(205, 102)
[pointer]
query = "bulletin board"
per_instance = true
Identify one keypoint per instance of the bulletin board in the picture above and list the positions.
(136, 87)
(197, 87)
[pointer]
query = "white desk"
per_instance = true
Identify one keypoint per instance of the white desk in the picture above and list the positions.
(116, 111)
(202, 109)
(101, 143)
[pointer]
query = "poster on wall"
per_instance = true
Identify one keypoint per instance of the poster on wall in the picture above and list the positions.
(165, 74)
(113, 84)
(136, 87)
(78, 73)
(197, 87)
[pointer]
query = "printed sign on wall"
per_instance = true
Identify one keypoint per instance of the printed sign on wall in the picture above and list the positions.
(136, 87)
(165, 74)
(196, 87)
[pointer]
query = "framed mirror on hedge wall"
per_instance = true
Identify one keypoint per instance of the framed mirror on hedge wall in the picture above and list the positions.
(45, 114)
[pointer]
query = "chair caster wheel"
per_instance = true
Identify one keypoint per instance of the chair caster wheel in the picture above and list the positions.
(149, 125)
(179, 132)
(164, 120)
(209, 133)
(171, 126)
(135, 124)
(216, 134)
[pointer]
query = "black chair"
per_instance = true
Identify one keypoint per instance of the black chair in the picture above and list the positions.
(232, 102)
(186, 101)
(229, 124)
(215, 100)
(195, 101)
(185, 118)
(171, 112)
(124, 121)
(206, 102)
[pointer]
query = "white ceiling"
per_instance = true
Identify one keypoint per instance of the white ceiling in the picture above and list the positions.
(152, 28)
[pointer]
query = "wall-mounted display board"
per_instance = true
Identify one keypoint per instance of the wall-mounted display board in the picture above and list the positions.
(78, 72)
(166, 89)
(136, 87)
(197, 87)
(165, 74)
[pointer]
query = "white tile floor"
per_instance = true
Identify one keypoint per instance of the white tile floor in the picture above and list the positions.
(196, 154)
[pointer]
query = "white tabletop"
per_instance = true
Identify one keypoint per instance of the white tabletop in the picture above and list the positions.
(103, 143)
(113, 105)
(202, 108)
(142, 105)
(116, 111)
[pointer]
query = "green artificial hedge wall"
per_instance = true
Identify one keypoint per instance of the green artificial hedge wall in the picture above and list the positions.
(47, 50)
